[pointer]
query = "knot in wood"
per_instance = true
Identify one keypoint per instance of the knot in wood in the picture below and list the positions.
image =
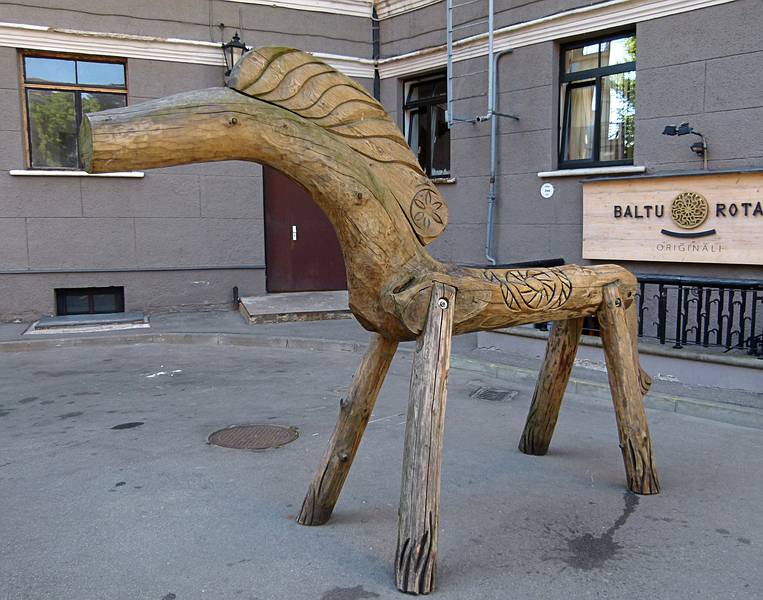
(233, 121)
(343, 403)
(618, 302)
(343, 456)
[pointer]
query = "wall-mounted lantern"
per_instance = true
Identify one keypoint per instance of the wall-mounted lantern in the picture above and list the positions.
(233, 50)
(699, 148)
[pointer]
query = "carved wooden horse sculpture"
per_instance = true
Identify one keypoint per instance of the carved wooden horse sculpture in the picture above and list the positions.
(287, 109)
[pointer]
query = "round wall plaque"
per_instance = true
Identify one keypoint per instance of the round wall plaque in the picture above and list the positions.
(547, 190)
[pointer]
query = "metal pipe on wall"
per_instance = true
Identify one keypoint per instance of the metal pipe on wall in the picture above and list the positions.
(490, 61)
(449, 75)
(492, 112)
(376, 49)
(491, 195)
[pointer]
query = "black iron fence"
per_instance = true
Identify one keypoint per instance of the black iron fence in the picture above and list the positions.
(724, 314)
(702, 311)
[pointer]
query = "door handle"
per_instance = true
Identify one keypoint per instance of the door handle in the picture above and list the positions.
(293, 233)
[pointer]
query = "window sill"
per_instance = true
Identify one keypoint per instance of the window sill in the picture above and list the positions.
(621, 170)
(443, 180)
(42, 173)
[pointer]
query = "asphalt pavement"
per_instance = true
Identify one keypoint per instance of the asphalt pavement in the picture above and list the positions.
(152, 511)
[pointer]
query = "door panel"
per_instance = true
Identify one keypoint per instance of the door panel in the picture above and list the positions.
(301, 249)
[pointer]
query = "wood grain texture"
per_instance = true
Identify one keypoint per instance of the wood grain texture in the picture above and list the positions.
(416, 555)
(222, 124)
(381, 206)
(307, 87)
(549, 389)
(622, 371)
(355, 409)
(631, 317)
(288, 110)
(493, 298)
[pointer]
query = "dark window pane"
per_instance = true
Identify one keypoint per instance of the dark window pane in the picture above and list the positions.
(102, 74)
(52, 128)
(581, 59)
(96, 101)
(49, 70)
(413, 134)
(425, 139)
(414, 93)
(618, 109)
(79, 301)
(617, 52)
(428, 133)
(440, 142)
(105, 303)
(426, 90)
(77, 304)
(579, 120)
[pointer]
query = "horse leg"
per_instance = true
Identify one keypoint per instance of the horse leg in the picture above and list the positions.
(549, 389)
(416, 555)
(355, 410)
(623, 374)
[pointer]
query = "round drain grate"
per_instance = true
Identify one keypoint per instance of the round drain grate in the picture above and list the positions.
(253, 437)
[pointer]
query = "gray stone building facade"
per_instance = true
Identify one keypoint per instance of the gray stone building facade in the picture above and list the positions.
(182, 238)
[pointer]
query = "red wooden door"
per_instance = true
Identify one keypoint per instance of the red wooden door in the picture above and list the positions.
(301, 250)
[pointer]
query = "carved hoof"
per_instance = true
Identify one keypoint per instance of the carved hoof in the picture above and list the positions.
(640, 469)
(416, 565)
(647, 485)
(310, 514)
(528, 444)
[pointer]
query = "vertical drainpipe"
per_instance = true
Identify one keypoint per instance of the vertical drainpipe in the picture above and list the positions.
(492, 110)
(376, 52)
(449, 62)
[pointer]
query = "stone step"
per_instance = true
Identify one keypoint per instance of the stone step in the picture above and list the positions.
(295, 306)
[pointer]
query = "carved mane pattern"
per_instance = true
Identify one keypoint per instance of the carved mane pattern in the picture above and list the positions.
(315, 91)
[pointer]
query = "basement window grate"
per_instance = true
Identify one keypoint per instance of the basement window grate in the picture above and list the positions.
(90, 301)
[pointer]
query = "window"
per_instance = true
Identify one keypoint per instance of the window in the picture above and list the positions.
(90, 301)
(426, 126)
(57, 92)
(597, 102)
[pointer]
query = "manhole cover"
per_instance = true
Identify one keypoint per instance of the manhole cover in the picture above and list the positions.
(253, 437)
(494, 395)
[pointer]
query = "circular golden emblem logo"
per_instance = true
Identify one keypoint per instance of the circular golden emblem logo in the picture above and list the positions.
(689, 210)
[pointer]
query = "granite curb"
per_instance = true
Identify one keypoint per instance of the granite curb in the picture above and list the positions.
(648, 348)
(586, 391)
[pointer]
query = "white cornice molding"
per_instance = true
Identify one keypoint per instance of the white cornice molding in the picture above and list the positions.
(54, 173)
(352, 8)
(36, 37)
(391, 8)
(588, 19)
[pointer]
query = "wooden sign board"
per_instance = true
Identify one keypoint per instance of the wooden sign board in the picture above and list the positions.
(711, 218)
